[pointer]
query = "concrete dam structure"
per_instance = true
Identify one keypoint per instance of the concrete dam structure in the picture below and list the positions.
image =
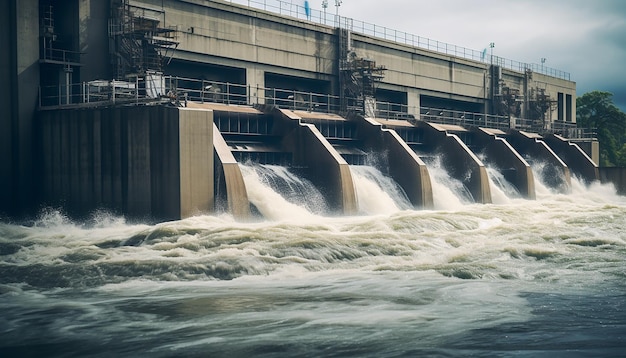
(166, 109)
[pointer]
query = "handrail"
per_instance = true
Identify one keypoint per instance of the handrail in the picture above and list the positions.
(178, 90)
(59, 55)
(329, 19)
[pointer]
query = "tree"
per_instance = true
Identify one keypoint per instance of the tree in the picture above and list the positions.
(596, 110)
(621, 157)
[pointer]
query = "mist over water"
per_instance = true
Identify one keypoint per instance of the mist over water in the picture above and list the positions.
(518, 277)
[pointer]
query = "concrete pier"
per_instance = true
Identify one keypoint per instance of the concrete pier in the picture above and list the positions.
(531, 146)
(498, 151)
(458, 159)
(150, 162)
(231, 194)
(403, 165)
(576, 159)
(325, 166)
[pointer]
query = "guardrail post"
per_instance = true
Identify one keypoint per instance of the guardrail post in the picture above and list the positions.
(228, 93)
(328, 104)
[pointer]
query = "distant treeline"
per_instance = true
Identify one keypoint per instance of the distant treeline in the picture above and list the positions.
(596, 110)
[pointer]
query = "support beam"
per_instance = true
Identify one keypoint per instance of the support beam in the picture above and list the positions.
(326, 167)
(574, 157)
(459, 160)
(404, 166)
(506, 158)
(555, 173)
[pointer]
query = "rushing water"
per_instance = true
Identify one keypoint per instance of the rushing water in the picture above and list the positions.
(502, 191)
(526, 278)
(277, 193)
(448, 193)
(377, 193)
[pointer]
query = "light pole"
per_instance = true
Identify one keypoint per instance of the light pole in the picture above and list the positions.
(337, 4)
(543, 60)
(324, 5)
(491, 46)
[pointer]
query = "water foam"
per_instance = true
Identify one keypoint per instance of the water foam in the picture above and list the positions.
(270, 203)
(448, 193)
(377, 193)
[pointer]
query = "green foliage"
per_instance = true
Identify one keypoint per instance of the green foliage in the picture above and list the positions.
(596, 110)
(621, 157)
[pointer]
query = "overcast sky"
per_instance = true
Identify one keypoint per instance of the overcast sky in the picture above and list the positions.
(586, 38)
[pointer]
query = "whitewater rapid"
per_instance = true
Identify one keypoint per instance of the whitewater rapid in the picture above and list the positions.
(522, 277)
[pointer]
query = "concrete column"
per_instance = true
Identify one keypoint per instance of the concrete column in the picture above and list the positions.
(459, 160)
(327, 169)
(403, 165)
(7, 99)
(231, 188)
(574, 157)
(19, 67)
(502, 154)
(557, 175)
(255, 80)
(196, 161)
(413, 102)
(93, 41)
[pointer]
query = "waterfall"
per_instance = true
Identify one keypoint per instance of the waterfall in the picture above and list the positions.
(502, 191)
(548, 178)
(448, 192)
(279, 194)
(377, 193)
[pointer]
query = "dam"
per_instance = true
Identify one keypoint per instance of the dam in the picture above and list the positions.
(166, 109)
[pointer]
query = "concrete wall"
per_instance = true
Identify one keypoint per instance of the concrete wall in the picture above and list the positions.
(7, 101)
(616, 176)
(148, 162)
(19, 67)
(434, 74)
(93, 40)
(227, 34)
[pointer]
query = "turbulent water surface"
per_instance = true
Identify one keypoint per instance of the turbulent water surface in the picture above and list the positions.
(518, 278)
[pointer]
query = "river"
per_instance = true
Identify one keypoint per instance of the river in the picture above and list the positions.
(520, 278)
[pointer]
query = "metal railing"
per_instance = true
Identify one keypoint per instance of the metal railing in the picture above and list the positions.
(58, 55)
(386, 110)
(179, 90)
(330, 19)
(572, 131)
(93, 93)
